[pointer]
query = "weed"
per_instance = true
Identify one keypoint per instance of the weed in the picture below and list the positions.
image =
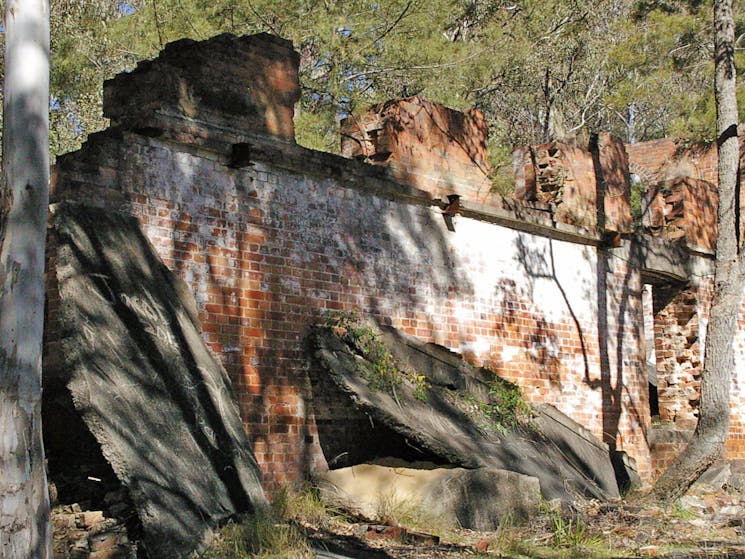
(268, 534)
(396, 511)
(573, 533)
(421, 386)
(379, 367)
(304, 505)
(682, 513)
(504, 407)
(259, 536)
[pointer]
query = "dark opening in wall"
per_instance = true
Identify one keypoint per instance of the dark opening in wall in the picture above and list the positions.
(77, 467)
(349, 437)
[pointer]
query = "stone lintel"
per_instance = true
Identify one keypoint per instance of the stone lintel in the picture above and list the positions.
(660, 260)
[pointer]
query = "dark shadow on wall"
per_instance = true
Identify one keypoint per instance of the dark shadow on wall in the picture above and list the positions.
(619, 315)
(620, 319)
(539, 263)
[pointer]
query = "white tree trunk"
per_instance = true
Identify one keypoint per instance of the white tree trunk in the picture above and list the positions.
(24, 500)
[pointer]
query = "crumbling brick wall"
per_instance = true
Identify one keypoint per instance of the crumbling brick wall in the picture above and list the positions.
(681, 206)
(270, 236)
(588, 185)
(678, 332)
(660, 160)
(680, 318)
(684, 210)
(426, 145)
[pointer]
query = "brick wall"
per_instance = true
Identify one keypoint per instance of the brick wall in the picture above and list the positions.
(425, 145)
(270, 236)
(678, 334)
(685, 210)
(682, 207)
(669, 158)
(267, 249)
(587, 184)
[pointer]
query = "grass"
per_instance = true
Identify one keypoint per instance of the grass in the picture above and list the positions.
(271, 533)
(394, 511)
(680, 512)
(259, 536)
(279, 533)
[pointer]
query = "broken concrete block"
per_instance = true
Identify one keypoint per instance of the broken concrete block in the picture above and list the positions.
(455, 497)
(712, 480)
(155, 398)
(358, 422)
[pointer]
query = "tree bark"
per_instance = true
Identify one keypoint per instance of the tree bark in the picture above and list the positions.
(707, 444)
(24, 201)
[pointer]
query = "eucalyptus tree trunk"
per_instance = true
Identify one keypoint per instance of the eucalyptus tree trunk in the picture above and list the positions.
(707, 444)
(24, 200)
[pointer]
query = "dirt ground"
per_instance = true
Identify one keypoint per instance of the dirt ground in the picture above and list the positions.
(701, 525)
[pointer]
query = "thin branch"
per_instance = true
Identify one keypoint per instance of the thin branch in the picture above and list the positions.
(423, 67)
(261, 18)
(157, 23)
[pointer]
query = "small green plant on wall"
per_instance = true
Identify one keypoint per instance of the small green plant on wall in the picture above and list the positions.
(505, 405)
(380, 369)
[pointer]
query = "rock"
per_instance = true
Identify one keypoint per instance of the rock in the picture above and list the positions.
(712, 480)
(626, 471)
(90, 519)
(585, 452)
(458, 498)
(693, 503)
(482, 546)
(359, 422)
(728, 512)
(155, 398)
(89, 535)
(700, 522)
(403, 535)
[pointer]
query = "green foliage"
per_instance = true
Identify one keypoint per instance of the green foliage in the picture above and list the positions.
(506, 405)
(263, 535)
(273, 533)
(83, 54)
(638, 190)
(379, 367)
(682, 513)
(502, 172)
(572, 533)
(539, 69)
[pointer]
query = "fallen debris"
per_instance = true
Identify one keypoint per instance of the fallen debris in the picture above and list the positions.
(148, 389)
(427, 404)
